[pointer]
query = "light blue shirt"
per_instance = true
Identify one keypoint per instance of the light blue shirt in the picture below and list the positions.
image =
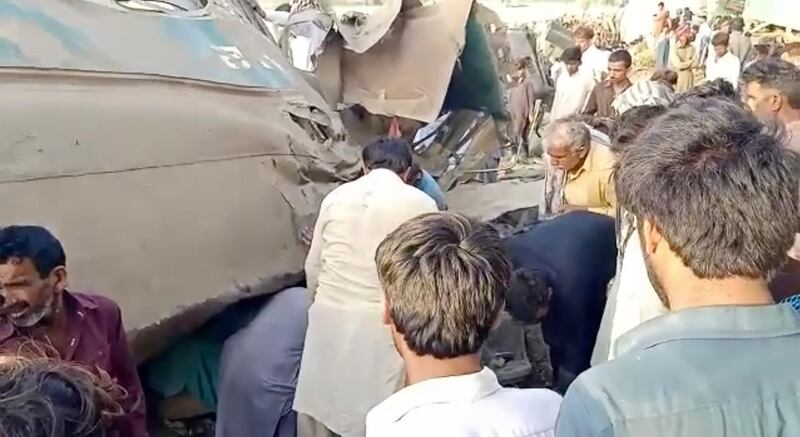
(726, 371)
(429, 186)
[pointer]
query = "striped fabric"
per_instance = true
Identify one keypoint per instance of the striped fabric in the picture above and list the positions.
(644, 92)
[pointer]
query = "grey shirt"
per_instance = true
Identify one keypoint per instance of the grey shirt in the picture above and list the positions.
(711, 372)
(259, 368)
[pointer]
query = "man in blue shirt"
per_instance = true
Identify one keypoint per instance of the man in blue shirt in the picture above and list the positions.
(574, 254)
(716, 201)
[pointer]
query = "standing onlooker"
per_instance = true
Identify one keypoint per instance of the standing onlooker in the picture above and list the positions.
(722, 64)
(722, 362)
(81, 328)
(632, 300)
(740, 44)
(761, 52)
(773, 93)
(349, 363)
(661, 46)
(682, 58)
(521, 102)
(444, 278)
(594, 61)
(660, 20)
(772, 90)
(572, 88)
(702, 38)
(604, 93)
(586, 168)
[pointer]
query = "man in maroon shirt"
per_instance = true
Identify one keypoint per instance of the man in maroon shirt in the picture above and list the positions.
(80, 327)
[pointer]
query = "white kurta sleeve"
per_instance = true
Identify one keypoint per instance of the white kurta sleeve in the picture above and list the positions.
(313, 263)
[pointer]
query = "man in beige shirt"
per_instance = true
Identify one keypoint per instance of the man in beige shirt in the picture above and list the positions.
(349, 361)
(586, 167)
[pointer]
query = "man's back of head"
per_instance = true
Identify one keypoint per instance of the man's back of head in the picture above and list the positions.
(392, 154)
(444, 277)
(716, 191)
(716, 200)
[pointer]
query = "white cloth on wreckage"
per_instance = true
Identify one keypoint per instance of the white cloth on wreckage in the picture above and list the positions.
(349, 361)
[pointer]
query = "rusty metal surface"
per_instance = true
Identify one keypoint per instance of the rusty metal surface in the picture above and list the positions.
(175, 182)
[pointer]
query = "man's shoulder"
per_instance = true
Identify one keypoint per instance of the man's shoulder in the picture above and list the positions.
(95, 302)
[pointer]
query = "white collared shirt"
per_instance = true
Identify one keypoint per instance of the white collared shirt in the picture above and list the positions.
(349, 361)
(472, 405)
(594, 62)
(572, 91)
(727, 67)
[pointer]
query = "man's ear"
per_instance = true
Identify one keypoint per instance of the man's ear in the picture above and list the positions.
(651, 236)
(776, 101)
(60, 279)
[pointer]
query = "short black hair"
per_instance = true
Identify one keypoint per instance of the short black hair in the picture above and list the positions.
(528, 293)
(719, 88)
(776, 74)
(660, 4)
(35, 243)
(621, 56)
(761, 49)
(631, 123)
(389, 153)
(720, 39)
(737, 24)
(571, 54)
(719, 186)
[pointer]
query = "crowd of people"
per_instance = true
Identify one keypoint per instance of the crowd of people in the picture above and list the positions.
(664, 277)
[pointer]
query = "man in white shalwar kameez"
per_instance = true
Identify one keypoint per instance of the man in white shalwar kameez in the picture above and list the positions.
(349, 361)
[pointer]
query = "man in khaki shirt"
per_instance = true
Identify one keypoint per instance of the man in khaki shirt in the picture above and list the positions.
(587, 168)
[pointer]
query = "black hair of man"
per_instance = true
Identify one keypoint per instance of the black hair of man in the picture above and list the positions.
(776, 74)
(621, 56)
(631, 123)
(737, 24)
(761, 49)
(388, 153)
(720, 39)
(660, 4)
(572, 54)
(718, 185)
(719, 88)
(528, 295)
(32, 242)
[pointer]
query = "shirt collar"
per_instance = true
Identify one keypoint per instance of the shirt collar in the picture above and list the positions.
(384, 175)
(435, 391)
(717, 322)
(72, 302)
(588, 163)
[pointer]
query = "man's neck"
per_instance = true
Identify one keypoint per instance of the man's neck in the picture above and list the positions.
(423, 368)
(736, 291)
(789, 116)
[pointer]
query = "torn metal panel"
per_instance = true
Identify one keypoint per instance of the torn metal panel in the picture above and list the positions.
(461, 144)
(174, 180)
(393, 78)
(362, 32)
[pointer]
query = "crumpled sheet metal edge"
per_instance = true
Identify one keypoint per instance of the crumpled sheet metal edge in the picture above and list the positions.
(377, 25)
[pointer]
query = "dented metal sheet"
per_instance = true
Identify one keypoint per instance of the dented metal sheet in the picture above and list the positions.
(175, 182)
(87, 36)
(407, 73)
